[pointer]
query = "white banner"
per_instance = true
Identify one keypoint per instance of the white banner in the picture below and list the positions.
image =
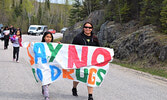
(54, 61)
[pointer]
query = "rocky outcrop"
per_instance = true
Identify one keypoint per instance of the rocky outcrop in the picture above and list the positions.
(111, 31)
(132, 42)
(163, 53)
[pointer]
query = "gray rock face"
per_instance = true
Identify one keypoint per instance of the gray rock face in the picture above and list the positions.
(71, 32)
(163, 53)
(132, 42)
(111, 31)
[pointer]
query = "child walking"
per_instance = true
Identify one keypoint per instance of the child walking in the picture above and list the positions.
(16, 40)
(6, 33)
(47, 37)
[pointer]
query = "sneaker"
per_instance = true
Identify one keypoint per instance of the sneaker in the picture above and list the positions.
(90, 98)
(17, 61)
(14, 59)
(74, 92)
(46, 98)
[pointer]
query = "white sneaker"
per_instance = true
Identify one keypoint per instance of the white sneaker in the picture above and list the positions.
(17, 61)
(14, 59)
(46, 98)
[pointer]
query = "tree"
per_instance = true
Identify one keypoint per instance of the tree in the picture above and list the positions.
(21, 2)
(47, 4)
(75, 13)
(134, 6)
(28, 7)
(39, 15)
(13, 3)
(150, 12)
(163, 18)
(67, 8)
(18, 10)
(91, 5)
(118, 10)
(5, 11)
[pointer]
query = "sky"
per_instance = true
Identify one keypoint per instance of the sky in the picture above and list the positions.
(58, 1)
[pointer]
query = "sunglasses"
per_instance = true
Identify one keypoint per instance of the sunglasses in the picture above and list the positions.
(88, 27)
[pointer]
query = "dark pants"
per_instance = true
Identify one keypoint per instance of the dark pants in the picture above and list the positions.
(6, 41)
(16, 53)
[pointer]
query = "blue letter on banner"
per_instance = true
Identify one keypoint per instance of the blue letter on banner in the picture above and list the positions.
(52, 68)
(42, 54)
(39, 73)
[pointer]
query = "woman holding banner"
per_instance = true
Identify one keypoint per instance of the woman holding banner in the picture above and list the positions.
(86, 37)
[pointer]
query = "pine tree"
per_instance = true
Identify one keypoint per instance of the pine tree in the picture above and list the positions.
(124, 12)
(134, 6)
(91, 5)
(118, 10)
(75, 13)
(150, 12)
(163, 18)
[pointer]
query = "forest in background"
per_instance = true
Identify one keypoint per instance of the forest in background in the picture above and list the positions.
(22, 13)
(122, 11)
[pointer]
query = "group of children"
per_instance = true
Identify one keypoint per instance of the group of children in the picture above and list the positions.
(15, 36)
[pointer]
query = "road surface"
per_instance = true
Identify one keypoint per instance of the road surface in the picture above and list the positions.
(17, 81)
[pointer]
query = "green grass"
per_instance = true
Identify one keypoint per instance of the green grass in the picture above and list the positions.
(151, 70)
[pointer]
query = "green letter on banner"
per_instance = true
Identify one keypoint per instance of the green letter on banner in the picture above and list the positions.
(99, 75)
(83, 79)
(54, 51)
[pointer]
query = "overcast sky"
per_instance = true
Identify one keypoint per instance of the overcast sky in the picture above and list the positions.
(59, 1)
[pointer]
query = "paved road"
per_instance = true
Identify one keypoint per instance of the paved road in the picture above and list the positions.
(17, 82)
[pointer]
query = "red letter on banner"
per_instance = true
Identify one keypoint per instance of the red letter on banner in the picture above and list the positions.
(74, 59)
(101, 51)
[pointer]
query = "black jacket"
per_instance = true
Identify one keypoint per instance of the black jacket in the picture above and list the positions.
(82, 39)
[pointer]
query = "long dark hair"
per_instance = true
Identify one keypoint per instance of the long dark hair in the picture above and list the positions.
(46, 33)
(88, 23)
(6, 27)
(19, 34)
(93, 35)
(84, 26)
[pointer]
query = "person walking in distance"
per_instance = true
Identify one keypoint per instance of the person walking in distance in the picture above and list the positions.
(12, 30)
(86, 37)
(47, 37)
(16, 40)
(6, 33)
